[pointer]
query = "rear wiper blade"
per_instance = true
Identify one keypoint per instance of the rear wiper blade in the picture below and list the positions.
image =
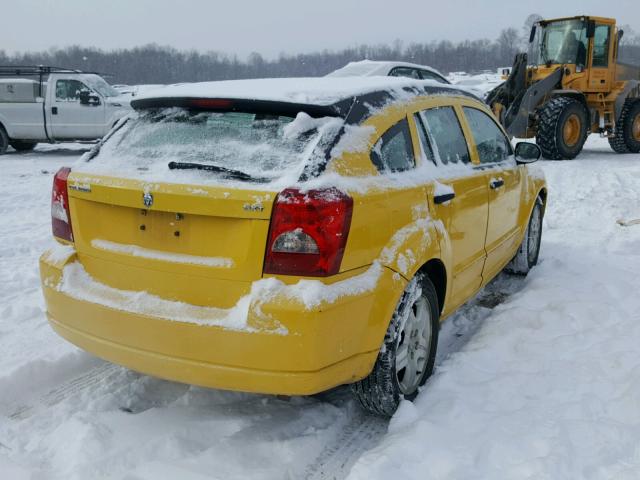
(228, 172)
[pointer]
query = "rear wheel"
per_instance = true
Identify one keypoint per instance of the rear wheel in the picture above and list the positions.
(562, 128)
(627, 135)
(408, 354)
(527, 256)
(4, 141)
(22, 146)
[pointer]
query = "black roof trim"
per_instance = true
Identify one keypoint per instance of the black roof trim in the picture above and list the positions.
(288, 109)
(354, 109)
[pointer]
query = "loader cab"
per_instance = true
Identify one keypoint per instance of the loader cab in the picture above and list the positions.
(583, 45)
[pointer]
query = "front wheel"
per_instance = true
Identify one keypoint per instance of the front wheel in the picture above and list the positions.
(22, 146)
(4, 140)
(408, 354)
(562, 128)
(527, 256)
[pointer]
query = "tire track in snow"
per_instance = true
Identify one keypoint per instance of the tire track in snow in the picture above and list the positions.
(64, 390)
(359, 435)
(364, 431)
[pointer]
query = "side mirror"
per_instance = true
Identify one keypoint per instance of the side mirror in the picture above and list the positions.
(527, 153)
(532, 35)
(591, 28)
(86, 98)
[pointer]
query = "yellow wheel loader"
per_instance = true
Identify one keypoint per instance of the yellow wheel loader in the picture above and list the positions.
(569, 86)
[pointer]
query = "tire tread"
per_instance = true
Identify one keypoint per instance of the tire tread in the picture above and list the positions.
(546, 134)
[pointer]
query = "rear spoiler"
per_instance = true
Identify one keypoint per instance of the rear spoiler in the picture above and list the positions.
(267, 107)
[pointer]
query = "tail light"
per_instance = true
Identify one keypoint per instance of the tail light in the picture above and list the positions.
(308, 232)
(60, 213)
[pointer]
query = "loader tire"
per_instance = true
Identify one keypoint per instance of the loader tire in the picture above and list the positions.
(4, 140)
(627, 135)
(562, 128)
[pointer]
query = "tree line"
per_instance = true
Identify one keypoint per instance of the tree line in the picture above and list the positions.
(162, 64)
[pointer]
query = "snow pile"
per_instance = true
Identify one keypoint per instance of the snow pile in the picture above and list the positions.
(314, 293)
(356, 138)
(480, 84)
(272, 152)
(78, 284)
(368, 68)
(136, 251)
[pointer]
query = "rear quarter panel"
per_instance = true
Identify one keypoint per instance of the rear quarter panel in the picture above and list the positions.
(392, 222)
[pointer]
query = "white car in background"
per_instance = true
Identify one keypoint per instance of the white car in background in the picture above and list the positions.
(370, 68)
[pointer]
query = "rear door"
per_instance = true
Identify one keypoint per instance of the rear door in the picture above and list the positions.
(70, 119)
(504, 179)
(465, 216)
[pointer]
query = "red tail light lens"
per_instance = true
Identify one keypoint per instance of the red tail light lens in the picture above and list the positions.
(308, 232)
(60, 213)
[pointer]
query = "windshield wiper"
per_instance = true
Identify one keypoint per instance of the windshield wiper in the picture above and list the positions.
(228, 172)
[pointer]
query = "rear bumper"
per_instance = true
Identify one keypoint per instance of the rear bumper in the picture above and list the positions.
(311, 350)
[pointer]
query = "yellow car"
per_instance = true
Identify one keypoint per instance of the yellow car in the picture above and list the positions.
(287, 236)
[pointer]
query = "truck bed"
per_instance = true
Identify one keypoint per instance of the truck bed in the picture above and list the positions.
(26, 120)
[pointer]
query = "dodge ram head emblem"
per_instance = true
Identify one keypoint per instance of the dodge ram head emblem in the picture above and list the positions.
(147, 199)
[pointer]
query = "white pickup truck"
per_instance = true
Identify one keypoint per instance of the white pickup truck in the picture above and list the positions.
(57, 106)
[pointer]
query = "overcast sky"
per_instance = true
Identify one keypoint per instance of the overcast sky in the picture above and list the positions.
(273, 26)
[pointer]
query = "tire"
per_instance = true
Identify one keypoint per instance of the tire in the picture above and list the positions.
(626, 138)
(389, 382)
(22, 146)
(562, 128)
(527, 256)
(4, 141)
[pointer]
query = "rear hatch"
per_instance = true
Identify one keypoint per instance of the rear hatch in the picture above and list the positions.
(177, 202)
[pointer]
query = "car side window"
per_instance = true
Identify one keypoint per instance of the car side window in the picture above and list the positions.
(394, 151)
(404, 72)
(426, 75)
(446, 135)
(492, 145)
(424, 140)
(69, 90)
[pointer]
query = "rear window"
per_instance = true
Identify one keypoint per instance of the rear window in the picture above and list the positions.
(263, 147)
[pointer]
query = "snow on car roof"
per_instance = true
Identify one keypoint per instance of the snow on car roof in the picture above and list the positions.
(375, 67)
(315, 91)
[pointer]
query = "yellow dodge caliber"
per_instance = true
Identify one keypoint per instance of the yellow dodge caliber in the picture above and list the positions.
(286, 236)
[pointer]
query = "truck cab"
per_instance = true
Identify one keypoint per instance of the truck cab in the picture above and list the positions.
(56, 106)
(82, 106)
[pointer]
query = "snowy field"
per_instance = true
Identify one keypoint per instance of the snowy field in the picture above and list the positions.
(536, 378)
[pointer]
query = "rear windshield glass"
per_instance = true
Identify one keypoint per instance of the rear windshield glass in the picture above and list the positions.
(262, 147)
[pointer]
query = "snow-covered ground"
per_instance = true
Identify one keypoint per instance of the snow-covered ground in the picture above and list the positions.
(536, 378)
(480, 84)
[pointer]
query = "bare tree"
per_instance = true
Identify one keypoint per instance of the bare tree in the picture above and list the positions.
(508, 45)
(160, 64)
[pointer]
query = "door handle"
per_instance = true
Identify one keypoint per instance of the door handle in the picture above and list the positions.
(444, 197)
(54, 110)
(496, 183)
